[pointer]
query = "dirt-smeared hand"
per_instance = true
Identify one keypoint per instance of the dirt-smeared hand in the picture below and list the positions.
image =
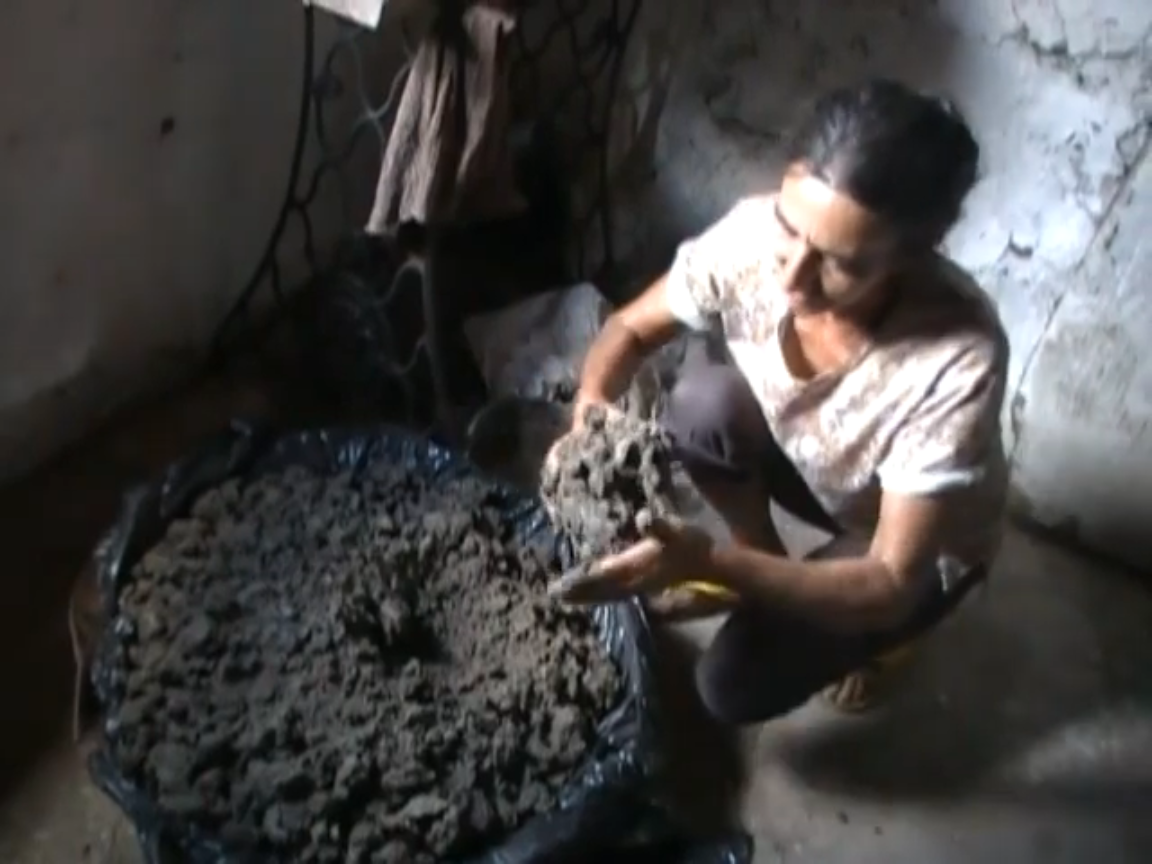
(599, 482)
(579, 413)
(671, 552)
(580, 410)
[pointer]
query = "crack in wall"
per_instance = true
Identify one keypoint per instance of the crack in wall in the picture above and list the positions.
(1024, 33)
(1058, 54)
(1101, 237)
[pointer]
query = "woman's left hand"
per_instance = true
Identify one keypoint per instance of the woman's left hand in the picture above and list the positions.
(670, 553)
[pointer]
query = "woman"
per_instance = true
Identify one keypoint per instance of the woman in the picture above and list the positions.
(865, 394)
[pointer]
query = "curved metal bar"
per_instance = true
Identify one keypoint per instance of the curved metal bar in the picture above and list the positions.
(606, 219)
(240, 307)
(597, 64)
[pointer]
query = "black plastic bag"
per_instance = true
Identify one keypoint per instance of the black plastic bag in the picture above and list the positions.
(611, 810)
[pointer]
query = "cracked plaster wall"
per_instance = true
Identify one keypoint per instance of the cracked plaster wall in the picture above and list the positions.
(1060, 93)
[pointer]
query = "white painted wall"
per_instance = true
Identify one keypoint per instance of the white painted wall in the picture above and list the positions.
(1060, 93)
(144, 153)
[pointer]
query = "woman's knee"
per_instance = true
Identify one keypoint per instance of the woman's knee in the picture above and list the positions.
(713, 411)
(713, 693)
(762, 666)
(710, 397)
(732, 682)
(734, 700)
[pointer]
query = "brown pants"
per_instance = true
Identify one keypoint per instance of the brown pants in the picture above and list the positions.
(764, 663)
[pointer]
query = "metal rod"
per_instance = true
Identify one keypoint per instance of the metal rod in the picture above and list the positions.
(240, 306)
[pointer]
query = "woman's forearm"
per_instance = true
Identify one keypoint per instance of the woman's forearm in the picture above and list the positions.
(846, 595)
(626, 339)
(611, 363)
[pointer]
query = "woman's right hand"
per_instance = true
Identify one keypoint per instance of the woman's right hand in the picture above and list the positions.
(579, 409)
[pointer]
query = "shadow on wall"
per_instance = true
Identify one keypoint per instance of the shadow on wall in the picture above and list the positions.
(756, 66)
(1036, 695)
(753, 68)
(766, 60)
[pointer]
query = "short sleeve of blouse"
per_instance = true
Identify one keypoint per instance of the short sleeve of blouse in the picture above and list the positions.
(709, 268)
(948, 440)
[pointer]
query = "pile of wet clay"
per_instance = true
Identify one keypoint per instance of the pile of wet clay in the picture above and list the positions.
(353, 669)
(606, 478)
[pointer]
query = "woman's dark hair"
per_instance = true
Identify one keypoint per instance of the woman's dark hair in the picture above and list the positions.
(908, 157)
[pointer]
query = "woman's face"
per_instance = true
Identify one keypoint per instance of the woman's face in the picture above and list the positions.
(831, 253)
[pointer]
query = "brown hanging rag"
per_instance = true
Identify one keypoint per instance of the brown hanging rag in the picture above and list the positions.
(448, 159)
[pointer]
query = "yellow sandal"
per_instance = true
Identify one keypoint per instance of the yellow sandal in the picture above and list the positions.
(691, 600)
(869, 687)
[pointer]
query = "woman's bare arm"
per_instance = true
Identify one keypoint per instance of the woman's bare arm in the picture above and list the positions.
(628, 336)
(852, 594)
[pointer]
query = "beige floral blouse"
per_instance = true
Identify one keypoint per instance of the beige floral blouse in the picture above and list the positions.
(917, 413)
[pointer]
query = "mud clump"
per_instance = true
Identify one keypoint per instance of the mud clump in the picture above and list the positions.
(605, 479)
(353, 669)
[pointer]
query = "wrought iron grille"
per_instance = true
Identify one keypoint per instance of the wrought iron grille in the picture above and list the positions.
(593, 35)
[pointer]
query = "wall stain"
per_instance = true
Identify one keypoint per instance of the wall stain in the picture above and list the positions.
(1016, 411)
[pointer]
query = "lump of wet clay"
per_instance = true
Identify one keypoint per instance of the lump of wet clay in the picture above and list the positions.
(605, 478)
(353, 669)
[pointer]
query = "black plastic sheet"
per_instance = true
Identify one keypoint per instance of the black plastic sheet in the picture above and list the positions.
(612, 809)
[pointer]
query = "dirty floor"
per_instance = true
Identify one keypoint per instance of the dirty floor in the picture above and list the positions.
(1023, 735)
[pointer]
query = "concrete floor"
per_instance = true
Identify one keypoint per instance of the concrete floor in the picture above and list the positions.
(1023, 735)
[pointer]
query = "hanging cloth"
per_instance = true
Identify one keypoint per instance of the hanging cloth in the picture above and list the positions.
(447, 158)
